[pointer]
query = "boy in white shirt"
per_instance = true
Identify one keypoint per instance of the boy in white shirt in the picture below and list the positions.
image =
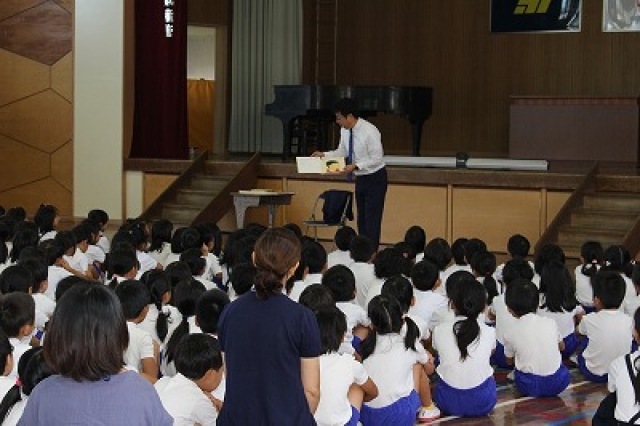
(534, 343)
(102, 219)
(425, 278)
(342, 239)
(17, 318)
(342, 283)
(608, 330)
(362, 252)
(187, 395)
(313, 260)
(142, 352)
(197, 265)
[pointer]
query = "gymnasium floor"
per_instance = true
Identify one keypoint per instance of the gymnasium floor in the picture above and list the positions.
(575, 406)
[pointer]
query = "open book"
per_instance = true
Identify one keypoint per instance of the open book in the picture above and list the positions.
(320, 165)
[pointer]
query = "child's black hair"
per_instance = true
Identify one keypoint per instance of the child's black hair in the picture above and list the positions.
(32, 369)
(17, 278)
(361, 249)
(343, 237)
(518, 246)
(94, 230)
(193, 258)
(209, 308)
(191, 238)
(185, 298)
(387, 317)
(133, 296)
(81, 233)
(469, 301)
(23, 237)
(66, 283)
(211, 234)
(341, 282)
(178, 272)
(558, 288)
(609, 287)
(295, 228)
(243, 277)
(472, 246)
(313, 257)
(457, 251)
(66, 240)
(6, 349)
(439, 252)
(45, 217)
(196, 354)
(333, 326)
(401, 289)
(592, 254)
(160, 233)
(176, 240)
(17, 213)
(522, 297)
(618, 258)
(455, 280)
(516, 268)
(636, 379)
(99, 216)
(416, 237)
(424, 275)
(16, 311)
(316, 296)
(406, 250)
(483, 264)
(390, 262)
(547, 253)
(158, 285)
(120, 262)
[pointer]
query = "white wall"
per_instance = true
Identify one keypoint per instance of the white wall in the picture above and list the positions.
(98, 107)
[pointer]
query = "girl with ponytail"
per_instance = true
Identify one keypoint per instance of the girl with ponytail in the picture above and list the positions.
(591, 258)
(161, 315)
(466, 387)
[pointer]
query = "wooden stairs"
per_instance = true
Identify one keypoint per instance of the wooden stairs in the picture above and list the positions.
(603, 208)
(202, 193)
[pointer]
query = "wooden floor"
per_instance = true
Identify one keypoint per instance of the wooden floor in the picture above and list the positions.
(575, 406)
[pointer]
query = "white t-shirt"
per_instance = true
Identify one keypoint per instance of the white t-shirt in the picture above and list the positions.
(147, 263)
(6, 383)
(104, 243)
(533, 340)
(427, 302)
(149, 323)
(610, 335)
(504, 318)
(95, 254)
(300, 285)
(19, 348)
(442, 315)
(81, 259)
(168, 368)
(584, 289)
(390, 366)
(476, 368)
(15, 413)
(339, 257)
(620, 382)
(355, 316)
(365, 278)
(185, 401)
(54, 276)
(161, 256)
(140, 346)
(209, 285)
(337, 373)
(213, 267)
(564, 320)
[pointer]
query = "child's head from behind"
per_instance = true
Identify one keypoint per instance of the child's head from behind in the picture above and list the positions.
(316, 296)
(439, 252)
(193, 258)
(386, 314)
(243, 275)
(17, 314)
(473, 246)
(341, 281)
(425, 275)
(547, 253)
(134, 297)
(313, 257)
(361, 249)
(333, 326)
(516, 268)
(276, 256)
(457, 251)
(17, 278)
(454, 281)
(32, 369)
(6, 354)
(87, 334)
(198, 357)
(209, 308)
(45, 217)
(608, 289)
(470, 300)
(522, 297)
(518, 246)
(390, 262)
(416, 237)
(343, 237)
(399, 288)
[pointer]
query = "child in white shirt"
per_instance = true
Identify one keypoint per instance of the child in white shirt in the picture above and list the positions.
(160, 246)
(398, 365)
(534, 343)
(197, 265)
(313, 261)
(342, 239)
(17, 318)
(591, 254)
(142, 352)
(362, 252)
(438, 251)
(6, 365)
(416, 237)
(446, 313)
(459, 261)
(101, 217)
(466, 387)
(425, 278)
(187, 396)
(160, 314)
(344, 382)
(608, 330)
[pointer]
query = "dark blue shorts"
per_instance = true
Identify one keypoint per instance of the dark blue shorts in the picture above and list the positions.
(534, 385)
(498, 359)
(474, 402)
(400, 413)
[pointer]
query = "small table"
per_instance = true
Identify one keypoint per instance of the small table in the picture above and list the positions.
(254, 198)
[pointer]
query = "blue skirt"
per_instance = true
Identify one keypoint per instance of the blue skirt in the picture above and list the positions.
(474, 402)
(582, 365)
(571, 343)
(534, 385)
(400, 413)
(498, 359)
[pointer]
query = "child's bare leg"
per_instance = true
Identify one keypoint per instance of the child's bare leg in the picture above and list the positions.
(356, 396)
(421, 384)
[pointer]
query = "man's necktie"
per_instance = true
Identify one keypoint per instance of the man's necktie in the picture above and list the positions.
(350, 155)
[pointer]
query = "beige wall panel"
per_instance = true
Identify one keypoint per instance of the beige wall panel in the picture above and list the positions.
(260, 214)
(62, 166)
(406, 206)
(555, 201)
(154, 185)
(21, 164)
(494, 215)
(62, 77)
(22, 77)
(45, 191)
(11, 7)
(43, 121)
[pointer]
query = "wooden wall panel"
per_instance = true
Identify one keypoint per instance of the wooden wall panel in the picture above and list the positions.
(154, 185)
(555, 201)
(447, 45)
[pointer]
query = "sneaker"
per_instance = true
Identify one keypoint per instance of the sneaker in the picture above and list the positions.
(511, 376)
(428, 414)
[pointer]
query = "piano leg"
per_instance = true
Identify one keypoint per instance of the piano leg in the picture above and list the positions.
(416, 133)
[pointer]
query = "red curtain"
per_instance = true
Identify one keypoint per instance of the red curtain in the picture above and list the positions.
(160, 111)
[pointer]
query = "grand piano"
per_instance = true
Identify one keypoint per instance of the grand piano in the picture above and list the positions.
(317, 102)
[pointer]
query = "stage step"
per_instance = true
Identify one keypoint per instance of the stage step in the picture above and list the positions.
(572, 235)
(604, 218)
(194, 197)
(622, 201)
(180, 213)
(209, 183)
